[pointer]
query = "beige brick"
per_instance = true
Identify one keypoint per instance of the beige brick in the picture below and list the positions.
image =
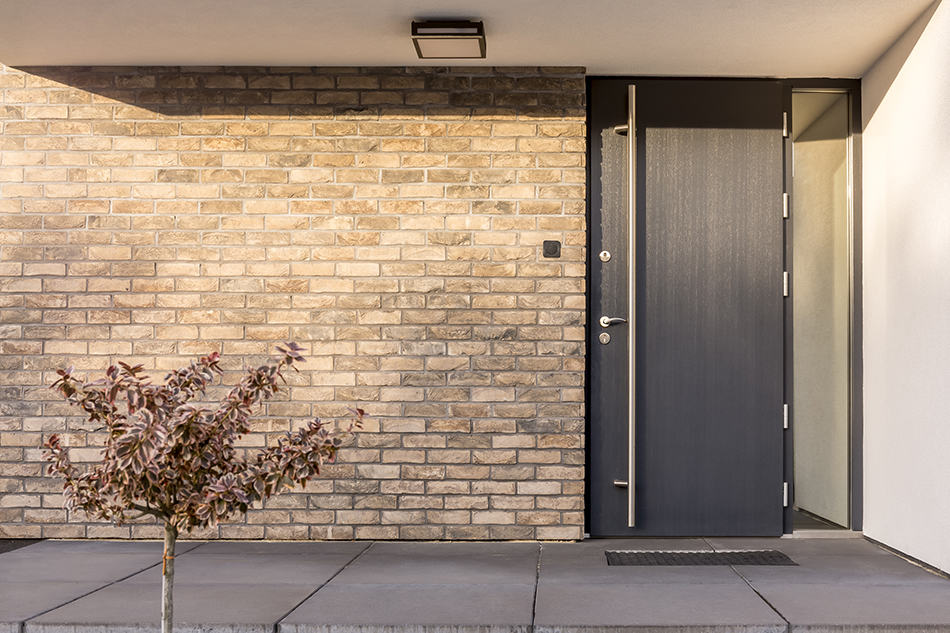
(496, 517)
(403, 250)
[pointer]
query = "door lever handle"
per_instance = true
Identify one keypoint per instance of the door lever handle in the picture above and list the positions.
(606, 321)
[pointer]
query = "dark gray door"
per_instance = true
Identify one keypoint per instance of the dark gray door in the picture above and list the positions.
(705, 456)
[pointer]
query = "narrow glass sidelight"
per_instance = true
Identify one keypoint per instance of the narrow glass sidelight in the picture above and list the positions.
(820, 226)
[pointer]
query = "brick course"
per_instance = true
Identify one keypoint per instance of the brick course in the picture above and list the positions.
(388, 219)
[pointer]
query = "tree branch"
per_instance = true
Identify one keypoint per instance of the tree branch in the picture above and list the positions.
(146, 510)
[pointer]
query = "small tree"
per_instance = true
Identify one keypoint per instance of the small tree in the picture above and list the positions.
(169, 459)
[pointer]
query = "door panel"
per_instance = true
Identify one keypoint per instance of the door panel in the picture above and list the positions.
(709, 309)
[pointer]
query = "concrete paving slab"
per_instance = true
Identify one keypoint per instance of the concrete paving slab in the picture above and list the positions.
(432, 587)
(827, 562)
(821, 608)
(273, 548)
(20, 601)
(280, 566)
(851, 585)
(10, 544)
(227, 571)
(636, 575)
(591, 552)
(586, 563)
(444, 564)
(856, 570)
(840, 585)
(579, 592)
(412, 608)
(75, 567)
(658, 544)
(77, 561)
(49, 574)
(180, 627)
(670, 607)
(104, 547)
(213, 588)
(138, 605)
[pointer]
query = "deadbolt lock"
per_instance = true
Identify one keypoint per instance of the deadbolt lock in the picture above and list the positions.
(604, 338)
(604, 256)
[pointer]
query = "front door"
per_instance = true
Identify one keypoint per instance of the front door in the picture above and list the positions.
(686, 308)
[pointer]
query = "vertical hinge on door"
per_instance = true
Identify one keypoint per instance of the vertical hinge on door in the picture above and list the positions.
(785, 284)
(785, 416)
(785, 124)
(784, 205)
(785, 494)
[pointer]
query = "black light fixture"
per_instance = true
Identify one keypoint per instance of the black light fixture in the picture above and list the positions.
(449, 39)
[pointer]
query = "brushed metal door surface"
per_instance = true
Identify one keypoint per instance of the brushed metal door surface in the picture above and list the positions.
(709, 325)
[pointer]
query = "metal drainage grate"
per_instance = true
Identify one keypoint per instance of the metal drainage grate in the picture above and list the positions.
(671, 558)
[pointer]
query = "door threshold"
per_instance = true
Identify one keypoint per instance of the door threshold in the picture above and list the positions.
(840, 533)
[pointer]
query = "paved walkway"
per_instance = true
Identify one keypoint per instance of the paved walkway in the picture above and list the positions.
(384, 587)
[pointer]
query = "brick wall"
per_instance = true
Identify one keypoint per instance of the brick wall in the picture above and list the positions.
(389, 220)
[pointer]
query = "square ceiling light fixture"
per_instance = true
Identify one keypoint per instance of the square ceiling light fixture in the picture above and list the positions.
(443, 39)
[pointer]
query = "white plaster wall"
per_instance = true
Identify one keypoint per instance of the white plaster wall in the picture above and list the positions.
(906, 190)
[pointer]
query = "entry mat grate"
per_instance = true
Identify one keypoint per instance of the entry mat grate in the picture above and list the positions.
(671, 558)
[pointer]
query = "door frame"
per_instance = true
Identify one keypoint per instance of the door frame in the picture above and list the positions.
(856, 409)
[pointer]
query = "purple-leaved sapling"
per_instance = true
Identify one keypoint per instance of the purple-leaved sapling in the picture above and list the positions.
(177, 462)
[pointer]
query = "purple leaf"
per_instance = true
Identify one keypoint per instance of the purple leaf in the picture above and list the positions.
(175, 460)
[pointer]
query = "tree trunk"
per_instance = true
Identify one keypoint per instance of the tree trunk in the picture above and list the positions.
(168, 576)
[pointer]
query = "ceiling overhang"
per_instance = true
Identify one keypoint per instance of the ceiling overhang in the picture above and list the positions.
(762, 38)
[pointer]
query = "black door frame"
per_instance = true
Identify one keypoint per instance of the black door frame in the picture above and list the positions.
(853, 89)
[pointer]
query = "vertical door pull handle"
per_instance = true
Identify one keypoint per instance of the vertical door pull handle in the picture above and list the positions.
(631, 302)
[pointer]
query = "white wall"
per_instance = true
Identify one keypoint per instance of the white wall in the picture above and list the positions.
(906, 190)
